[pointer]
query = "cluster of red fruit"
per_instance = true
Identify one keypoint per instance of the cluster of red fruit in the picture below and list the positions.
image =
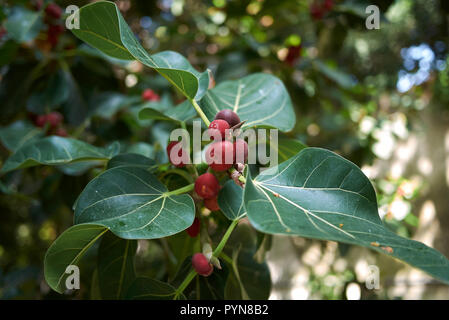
(221, 155)
(53, 121)
(52, 18)
(150, 95)
(320, 7)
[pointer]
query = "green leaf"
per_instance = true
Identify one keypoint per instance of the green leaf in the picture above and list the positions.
(107, 104)
(18, 133)
(103, 27)
(133, 204)
(23, 25)
(341, 78)
(259, 99)
(213, 286)
(181, 246)
(67, 250)
(78, 168)
(230, 201)
(288, 148)
(141, 148)
(149, 289)
(181, 113)
(253, 277)
(134, 159)
(54, 92)
(95, 287)
(56, 150)
(84, 49)
(115, 266)
(318, 194)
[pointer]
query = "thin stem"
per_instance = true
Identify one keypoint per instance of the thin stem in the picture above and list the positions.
(216, 253)
(200, 112)
(185, 283)
(225, 238)
(180, 190)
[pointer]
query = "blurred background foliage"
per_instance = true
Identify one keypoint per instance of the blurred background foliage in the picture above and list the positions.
(377, 97)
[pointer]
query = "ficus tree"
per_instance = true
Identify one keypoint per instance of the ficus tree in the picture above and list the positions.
(311, 193)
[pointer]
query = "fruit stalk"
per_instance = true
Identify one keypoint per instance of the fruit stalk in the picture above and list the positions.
(200, 112)
(216, 253)
(185, 189)
(225, 238)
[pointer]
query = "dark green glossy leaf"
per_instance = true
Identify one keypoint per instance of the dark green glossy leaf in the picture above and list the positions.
(115, 266)
(23, 25)
(318, 194)
(253, 277)
(18, 133)
(103, 27)
(259, 99)
(67, 250)
(181, 246)
(133, 204)
(150, 289)
(78, 168)
(95, 287)
(107, 104)
(142, 148)
(55, 92)
(134, 159)
(288, 148)
(230, 201)
(56, 150)
(84, 49)
(180, 113)
(213, 286)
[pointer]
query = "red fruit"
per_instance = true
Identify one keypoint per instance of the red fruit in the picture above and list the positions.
(218, 128)
(61, 132)
(316, 11)
(40, 121)
(201, 265)
(294, 52)
(211, 204)
(37, 4)
(2, 32)
(179, 159)
(150, 95)
(220, 155)
(328, 5)
(53, 33)
(194, 229)
(241, 151)
(55, 119)
(207, 186)
(53, 10)
(229, 116)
